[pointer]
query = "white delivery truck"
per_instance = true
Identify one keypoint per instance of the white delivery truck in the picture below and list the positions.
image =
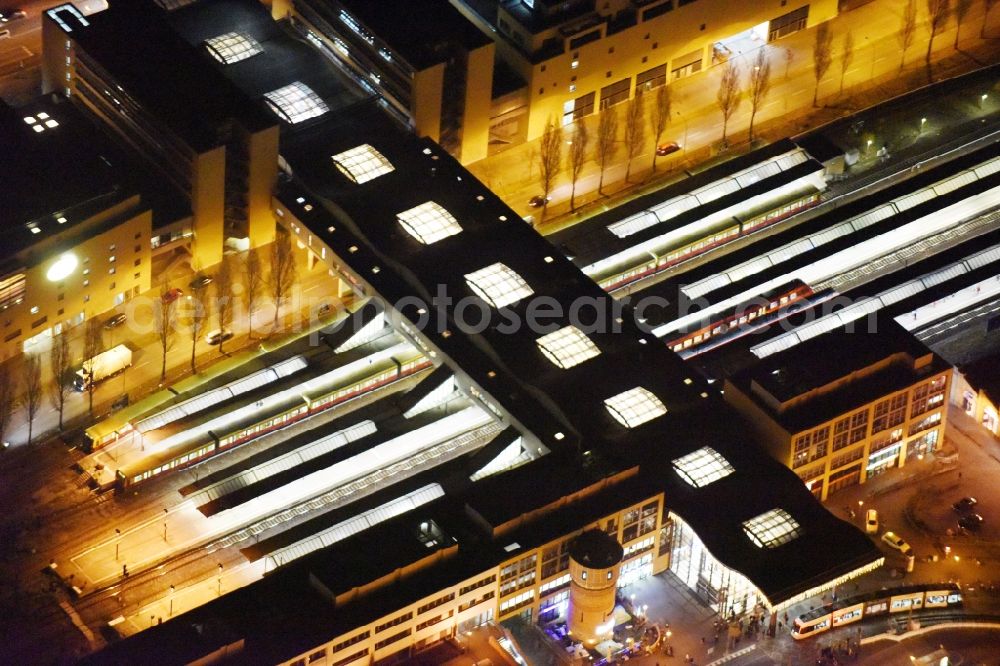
(102, 366)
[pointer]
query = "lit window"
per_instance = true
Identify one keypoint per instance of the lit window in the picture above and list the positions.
(634, 407)
(296, 102)
(362, 163)
(30, 120)
(428, 222)
(35, 230)
(51, 123)
(43, 116)
(567, 347)
(498, 285)
(38, 128)
(233, 47)
(702, 467)
(771, 529)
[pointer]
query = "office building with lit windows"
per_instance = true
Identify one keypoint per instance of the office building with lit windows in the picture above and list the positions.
(837, 419)
(596, 427)
(77, 226)
(575, 57)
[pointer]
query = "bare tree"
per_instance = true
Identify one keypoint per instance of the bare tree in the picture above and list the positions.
(224, 297)
(60, 362)
(549, 159)
(282, 275)
(577, 157)
(93, 344)
(729, 95)
(660, 116)
(962, 9)
(253, 282)
(937, 16)
(760, 85)
(907, 29)
(987, 6)
(607, 130)
(822, 55)
(8, 392)
(164, 319)
(846, 57)
(197, 320)
(635, 131)
(32, 389)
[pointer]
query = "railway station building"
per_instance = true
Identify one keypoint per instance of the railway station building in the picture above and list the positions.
(837, 419)
(615, 434)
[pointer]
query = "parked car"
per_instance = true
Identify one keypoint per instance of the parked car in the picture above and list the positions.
(172, 295)
(116, 321)
(894, 541)
(218, 336)
(200, 282)
(871, 522)
(972, 522)
(537, 201)
(665, 149)
(7, 15)
(965, 505)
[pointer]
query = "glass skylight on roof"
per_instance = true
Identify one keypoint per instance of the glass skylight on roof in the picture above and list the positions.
(702, 467)
(296, 102)
(634, 407)
(498, 285)
(233, 47)
(772, 528)
(362, 163)
(567, 347)
(428, 222)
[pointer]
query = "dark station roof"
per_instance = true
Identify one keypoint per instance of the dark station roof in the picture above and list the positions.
(542, 397)
(421, 32)
(168, 77)
(874, 358)
(284, 59)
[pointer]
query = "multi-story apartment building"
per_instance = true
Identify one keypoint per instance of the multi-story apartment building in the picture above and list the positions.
(165, 99)
(430, 65)
(77, 229)
(837, 419)
(579, 56)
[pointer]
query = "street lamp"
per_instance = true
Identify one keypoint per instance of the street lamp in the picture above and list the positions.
(118, 537)
(923, 121)
(982, 98)
(171, 595)
(165, 513)
(869, 147)
(220, 579)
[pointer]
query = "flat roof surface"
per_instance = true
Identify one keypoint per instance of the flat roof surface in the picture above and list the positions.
(810, 365)
(70, 170)
(172, 80)
(285, 57)
(419, 31)
(984, 375)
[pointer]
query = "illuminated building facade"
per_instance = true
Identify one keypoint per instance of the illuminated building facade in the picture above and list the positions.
(579, 56)
(73, 250)
(837, 420)
(205, 138)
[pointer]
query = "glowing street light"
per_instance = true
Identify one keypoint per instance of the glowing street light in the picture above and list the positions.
(171, 595)
(118, 537)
